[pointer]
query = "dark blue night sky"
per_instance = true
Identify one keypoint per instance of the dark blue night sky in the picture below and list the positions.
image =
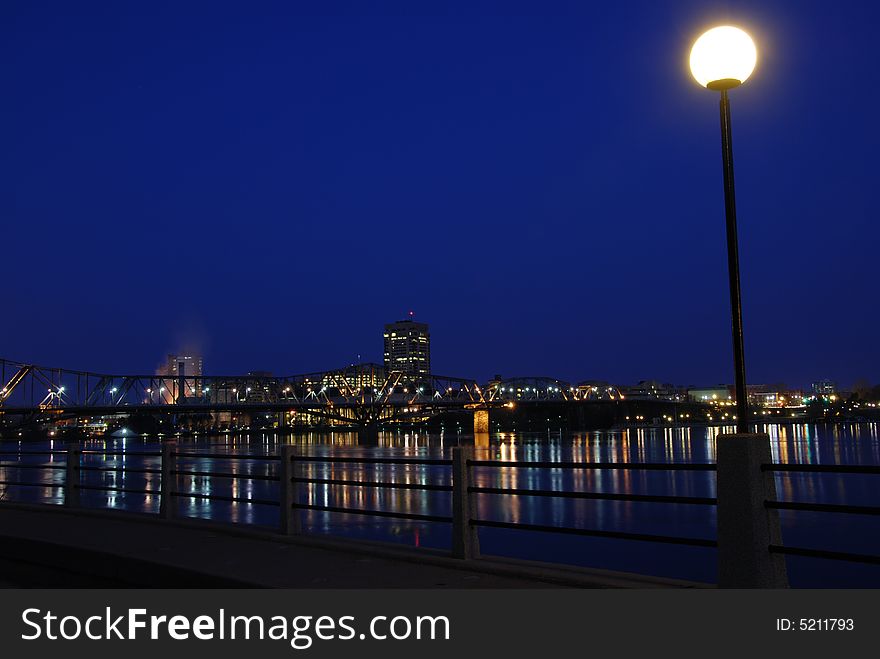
(269, 183)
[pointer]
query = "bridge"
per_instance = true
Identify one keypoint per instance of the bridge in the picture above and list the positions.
(361, 396)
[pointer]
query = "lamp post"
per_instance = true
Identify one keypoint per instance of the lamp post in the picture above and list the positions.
(721, 59)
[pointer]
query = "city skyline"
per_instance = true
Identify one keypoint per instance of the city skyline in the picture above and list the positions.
(407, 349)
(515, 192)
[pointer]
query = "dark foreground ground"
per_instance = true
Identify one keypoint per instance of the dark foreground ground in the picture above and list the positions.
(45, 547)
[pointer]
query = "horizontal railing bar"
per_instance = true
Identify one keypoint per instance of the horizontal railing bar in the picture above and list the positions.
(226, 456)
(109, 488)
(220, 497)
(823, 507)
(133, 470)
(368, 461)
(822, 553)
(24, 465)
(831, 469)
(543, 464)
(225, 474)
(373, 513)
(30, 484)
(379, 485)
(618, 535)
(146, 454)
(610, 496)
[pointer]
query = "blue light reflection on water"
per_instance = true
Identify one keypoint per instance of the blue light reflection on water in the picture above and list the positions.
(804, 443)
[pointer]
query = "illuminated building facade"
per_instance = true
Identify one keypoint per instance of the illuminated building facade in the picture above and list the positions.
(183, 368)
(721, 393)
(408, 347)
(355, 378)
(824, 387)
(185, 365)
(654, 390)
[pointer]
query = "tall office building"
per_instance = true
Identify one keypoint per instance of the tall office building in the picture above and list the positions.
(185, 365)
(185, 371)
(408, 347)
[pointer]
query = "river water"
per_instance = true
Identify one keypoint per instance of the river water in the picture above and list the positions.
(791, 443)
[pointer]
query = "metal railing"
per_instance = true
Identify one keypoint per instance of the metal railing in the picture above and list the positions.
(599, 496)
(19, 465)
(760, 539)
(844, 509)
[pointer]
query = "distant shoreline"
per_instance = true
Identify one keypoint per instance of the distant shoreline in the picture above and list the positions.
(32, 438)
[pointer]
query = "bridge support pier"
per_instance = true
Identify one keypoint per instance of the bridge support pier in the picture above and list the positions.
(481, 421)
(283, 420)
(746, 527)
(368, 434)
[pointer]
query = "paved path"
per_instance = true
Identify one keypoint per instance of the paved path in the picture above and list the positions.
(44, 547)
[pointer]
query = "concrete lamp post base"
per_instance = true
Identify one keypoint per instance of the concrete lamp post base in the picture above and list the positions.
(746, 527)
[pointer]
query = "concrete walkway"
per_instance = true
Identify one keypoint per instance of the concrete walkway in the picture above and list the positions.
(45, 546)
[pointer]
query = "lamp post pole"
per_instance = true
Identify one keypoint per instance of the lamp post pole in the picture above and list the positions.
(722, 59)
(739, 362)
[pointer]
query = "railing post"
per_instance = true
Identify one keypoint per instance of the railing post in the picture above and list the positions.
(291, 522)
(465, 537)
(166, 499)
(746, 527)
(71, 476)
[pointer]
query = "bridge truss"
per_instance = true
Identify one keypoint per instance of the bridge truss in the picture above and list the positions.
(359, 394)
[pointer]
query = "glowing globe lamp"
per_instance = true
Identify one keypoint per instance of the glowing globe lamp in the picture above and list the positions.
(723, 58)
